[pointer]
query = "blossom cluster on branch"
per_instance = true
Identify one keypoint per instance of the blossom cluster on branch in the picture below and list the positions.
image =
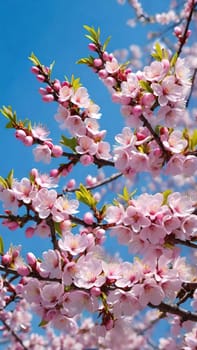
(76, 276)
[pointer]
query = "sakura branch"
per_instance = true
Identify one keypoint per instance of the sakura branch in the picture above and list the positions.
(75, 275)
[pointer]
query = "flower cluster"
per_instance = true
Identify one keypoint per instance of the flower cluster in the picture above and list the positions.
(147, 224)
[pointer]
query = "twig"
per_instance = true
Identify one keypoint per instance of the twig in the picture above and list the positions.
(99, 183)
(14, 335)
(175, 310)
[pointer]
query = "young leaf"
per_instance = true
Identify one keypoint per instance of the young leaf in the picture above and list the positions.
(3, 182)
(10, 178)
(173, 60)
(145, 85)
(70, 143)
(7, 112)
(166, 193)
(34, 59)
(85, 196)
(194, 139)
(1, 246)
(106, 43)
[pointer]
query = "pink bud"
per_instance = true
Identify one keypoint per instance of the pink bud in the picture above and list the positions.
(71, 184)
(106, 56)
(148, 99)
(31, 259)
(92, 47)
(88, 218)
(98, 62)
(103, 74)
(48, 98)
(34, 172)
(42, 91)
(86, 159)
(57, 151)
(54, 172)
(40, 77)
(95, 291)
(29, 232)
(49, 144)
(137, 110)
(177, 31)
(28, 141)
(20, 134)
(23, 270)
(6, 259)
(35, 70)
(110, 81)
(57, 85)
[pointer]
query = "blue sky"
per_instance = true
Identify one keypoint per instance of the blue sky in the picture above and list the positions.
(53, 30)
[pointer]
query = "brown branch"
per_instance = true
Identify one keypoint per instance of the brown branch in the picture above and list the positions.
(175, 310)
(99, 183)
(192, 85)
(14, 334)
(184, 36)
(156, 137)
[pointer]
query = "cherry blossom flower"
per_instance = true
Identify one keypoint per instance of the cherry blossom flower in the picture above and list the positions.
(44, 201)
(81, 98)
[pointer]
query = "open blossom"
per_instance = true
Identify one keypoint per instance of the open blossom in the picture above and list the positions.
(74, 244)
(77, 301)
(168, 91)
(61, 116)
(24, 190)
(81, 98)
(86, 145)
(65, 93)
(130, 88)
(9, 199)
(63, 207)
(51, 264)
(88, 272)
(43, 202)
(149, 292)
(157, 70)
(112, 66)
(42, 153)
(39, 132)
(51, 294)
(175, 143)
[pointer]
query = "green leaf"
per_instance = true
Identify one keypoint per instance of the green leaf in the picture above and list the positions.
(94, 35)
(75, 82)
(51, 68)
(34, 59)
(166, 193)
(3, 182)
(173, 60)
(85, 196)
(86, 60)
(69, 142)
(106, 43)
(7, 112)
(10, 178)
(145, 85)
(58, 229)
(194, 139)
(126, 195)
(43, 323)
(1, 246)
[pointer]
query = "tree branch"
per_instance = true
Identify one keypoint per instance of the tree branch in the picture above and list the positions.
(175, 310)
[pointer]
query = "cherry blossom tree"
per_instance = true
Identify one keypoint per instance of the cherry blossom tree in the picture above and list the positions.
(84, 297)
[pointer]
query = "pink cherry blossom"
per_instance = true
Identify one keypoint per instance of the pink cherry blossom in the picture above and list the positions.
(81, 98)
(44, 201)
(74, 244)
